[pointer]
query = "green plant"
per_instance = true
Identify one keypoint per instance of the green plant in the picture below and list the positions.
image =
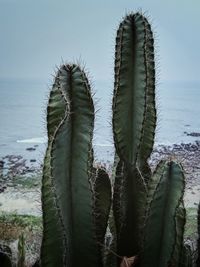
(70, 196)
(134, 121)
(21, 251)
(147, 219)
(165, 218)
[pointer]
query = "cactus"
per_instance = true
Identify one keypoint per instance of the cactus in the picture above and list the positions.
(160, 236)
(147, 219)
(134, 90)
(134, 120)
(69, 173)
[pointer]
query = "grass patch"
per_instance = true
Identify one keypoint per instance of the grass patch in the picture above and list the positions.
(28, 182)
(12, 225)
(21, 220)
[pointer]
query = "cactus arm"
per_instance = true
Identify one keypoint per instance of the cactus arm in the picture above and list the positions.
(52, 242)
(70, 159)
(159, 232)
(130, 84)
(180, 216)
(102, 203)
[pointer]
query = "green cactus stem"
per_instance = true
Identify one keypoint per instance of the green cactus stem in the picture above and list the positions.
(134, 120)
(70, 169)
(160, 236)
(134, 92)
(102, 203)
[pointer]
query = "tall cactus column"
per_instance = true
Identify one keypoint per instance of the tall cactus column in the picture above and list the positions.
(134, 120)
(68, 200)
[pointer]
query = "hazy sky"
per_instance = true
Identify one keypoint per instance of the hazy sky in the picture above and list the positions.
(35, 35)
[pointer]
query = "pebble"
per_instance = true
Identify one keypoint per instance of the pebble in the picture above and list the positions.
(30, 148)
(194, 134)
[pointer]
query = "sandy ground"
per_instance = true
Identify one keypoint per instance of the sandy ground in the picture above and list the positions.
(28, 201)
(192, 197)
(21, 201)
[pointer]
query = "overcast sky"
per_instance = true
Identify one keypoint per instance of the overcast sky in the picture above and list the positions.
(35, 35)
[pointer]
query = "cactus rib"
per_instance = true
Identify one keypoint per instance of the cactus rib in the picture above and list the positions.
(53, 233)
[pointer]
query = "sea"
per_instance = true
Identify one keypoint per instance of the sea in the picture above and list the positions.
(23, 117)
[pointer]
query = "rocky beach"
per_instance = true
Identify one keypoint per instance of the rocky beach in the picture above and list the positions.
(21, 178)
(20, 184)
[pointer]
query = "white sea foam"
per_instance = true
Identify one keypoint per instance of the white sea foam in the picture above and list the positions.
(42, 140)
(35, 140)
(103, 145)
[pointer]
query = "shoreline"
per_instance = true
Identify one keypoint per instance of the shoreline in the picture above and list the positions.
(20, 184)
